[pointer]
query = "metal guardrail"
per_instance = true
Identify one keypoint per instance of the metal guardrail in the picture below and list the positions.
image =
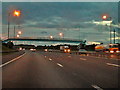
(96, 54)
(92, 53)
(102, 54)
(46, 38)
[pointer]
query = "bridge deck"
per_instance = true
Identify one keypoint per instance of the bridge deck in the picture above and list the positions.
(44, 39)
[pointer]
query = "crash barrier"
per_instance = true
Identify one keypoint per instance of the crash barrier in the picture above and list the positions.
(102, 54)
(93, 53)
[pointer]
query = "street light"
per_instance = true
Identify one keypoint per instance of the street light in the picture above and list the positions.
(105, 17)
(61, 34)
(51, 37)
(19, 32)
(16, 13)
(18, 36)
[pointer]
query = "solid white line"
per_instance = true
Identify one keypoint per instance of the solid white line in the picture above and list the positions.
(60, 65)
(111, 64)
(96, 87)
(83, 59)
(50, 59)
(12, 60)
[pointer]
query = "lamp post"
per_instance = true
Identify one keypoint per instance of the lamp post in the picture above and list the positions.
(18, 36)
(110, 30)
(104, 17)
(14, 31)
(19, 32)
(79, 32)
(8, 24)
(61, 34)
(114, 35)
(16, 13)
(51, 37)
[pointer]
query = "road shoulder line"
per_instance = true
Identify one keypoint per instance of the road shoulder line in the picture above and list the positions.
(111, 64)
(96, 87)
(59, 64)
(12, 60)
(83, 59)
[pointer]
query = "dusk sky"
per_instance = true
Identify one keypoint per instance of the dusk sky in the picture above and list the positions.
(74, 19)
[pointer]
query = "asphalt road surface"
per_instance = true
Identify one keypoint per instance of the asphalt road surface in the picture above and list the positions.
(60, 70)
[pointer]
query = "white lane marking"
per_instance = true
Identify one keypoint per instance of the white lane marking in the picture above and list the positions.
(83, 59)
(50, 59)
(59, 64)
(103, 58)
(69, 56)
(12, 60)
(96, 87)
(111, 64)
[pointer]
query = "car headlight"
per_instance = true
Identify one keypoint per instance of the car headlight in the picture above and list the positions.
(111, 51)
(46, 50)
(117, 51)
(68, 50)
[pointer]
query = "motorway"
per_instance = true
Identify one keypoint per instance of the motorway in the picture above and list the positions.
(60, 70)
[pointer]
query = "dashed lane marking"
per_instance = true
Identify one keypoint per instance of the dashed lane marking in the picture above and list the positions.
(103, 58)
(59, 64)
(83, 59)
(12, 60)
(111, 64)
(69, 56)
(50, 59)
(96, 87)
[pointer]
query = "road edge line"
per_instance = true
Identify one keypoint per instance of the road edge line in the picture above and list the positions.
(96, 87)
(111, 64)
(12, 60)
(59, 64)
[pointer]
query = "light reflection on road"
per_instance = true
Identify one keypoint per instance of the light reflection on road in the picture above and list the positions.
(114, 56)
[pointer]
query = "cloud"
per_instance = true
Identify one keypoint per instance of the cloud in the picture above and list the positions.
(70, 11)
(38, 15)
(103, 23)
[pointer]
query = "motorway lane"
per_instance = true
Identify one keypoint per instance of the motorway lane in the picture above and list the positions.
(95, 70)
(33, 70)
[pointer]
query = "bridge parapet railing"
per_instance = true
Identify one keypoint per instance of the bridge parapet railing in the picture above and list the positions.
(46, 38)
